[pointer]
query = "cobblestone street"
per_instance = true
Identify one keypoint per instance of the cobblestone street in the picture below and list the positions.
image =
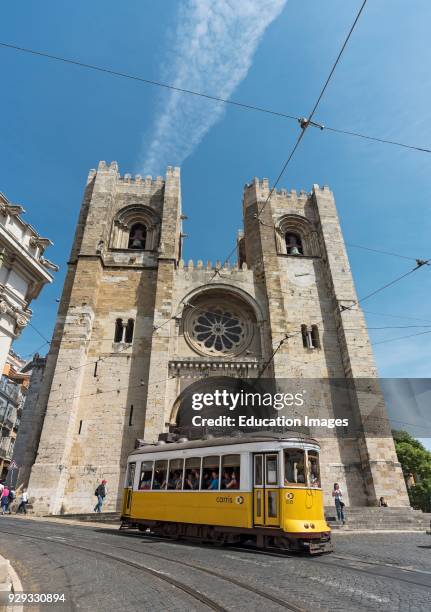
(100, 568)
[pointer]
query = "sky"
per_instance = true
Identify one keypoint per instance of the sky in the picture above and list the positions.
(57, 122)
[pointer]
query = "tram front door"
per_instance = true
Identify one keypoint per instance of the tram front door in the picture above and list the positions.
(127, 501)
(266, 494)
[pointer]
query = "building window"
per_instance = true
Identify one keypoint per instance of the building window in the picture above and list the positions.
(118, 335)
(137, 236)
(129, 331)
(310, 336)
(124, 331)
(293, 244)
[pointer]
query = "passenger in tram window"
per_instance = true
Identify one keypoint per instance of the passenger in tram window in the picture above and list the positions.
(313, 469)
(294, 472)
(178, 480)
(194, 480)
(206, 479)
(145, 484)
(213, 486)
(225, 479)
(233, 483)
(157, 484)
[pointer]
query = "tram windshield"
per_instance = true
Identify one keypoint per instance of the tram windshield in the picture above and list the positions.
(294, 466)
(313, 468)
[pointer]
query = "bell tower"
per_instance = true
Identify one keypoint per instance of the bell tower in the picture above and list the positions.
(126, 246)
(293, 242)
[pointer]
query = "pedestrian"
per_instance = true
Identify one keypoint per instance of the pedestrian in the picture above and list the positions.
(23, 503)
(4, 501)
(12, 498)
(100, 493)
(383, 503)
(337, 494)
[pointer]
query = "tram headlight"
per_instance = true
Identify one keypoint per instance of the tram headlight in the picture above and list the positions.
(306, 525)
(312, 525)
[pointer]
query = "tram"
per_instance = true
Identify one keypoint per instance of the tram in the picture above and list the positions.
(260, 487)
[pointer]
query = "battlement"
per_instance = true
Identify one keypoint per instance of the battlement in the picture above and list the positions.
(137, 179)
(208, 266)
(262, 185)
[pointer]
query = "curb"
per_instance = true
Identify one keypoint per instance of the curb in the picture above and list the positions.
(15, 586)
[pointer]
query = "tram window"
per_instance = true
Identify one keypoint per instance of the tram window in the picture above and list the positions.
(258, 470)
(130, 474)
(146, 475)
(175, 478)
(192, 473)
(160, 474)
(313, 468)
(210, 473)
(271, 469)
(230, 473)
(294, 472)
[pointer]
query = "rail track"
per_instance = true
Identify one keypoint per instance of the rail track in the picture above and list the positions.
(353, 563)
(164, 576)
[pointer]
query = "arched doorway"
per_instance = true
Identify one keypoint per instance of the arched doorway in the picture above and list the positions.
(184, 412)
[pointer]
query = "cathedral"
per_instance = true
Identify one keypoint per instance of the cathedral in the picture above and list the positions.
(137, 326)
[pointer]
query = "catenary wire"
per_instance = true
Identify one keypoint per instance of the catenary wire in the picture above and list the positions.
(401, 338)
(364, 248)
(393, 316)
(236, 103)
(304, 123)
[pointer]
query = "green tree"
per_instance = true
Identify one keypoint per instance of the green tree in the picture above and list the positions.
(416, 460)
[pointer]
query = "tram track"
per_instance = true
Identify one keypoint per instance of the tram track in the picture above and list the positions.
(165, 577)
(375, 568)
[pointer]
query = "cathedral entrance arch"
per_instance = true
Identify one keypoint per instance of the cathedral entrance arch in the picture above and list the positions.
(237, 393)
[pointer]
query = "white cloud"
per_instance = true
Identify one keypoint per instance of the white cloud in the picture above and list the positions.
(212, 53)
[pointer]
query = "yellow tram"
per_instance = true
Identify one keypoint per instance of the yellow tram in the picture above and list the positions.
(259, 487)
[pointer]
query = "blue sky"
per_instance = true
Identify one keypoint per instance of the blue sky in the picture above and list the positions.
(57, 121)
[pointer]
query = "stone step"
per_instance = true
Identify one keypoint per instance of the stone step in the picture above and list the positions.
(370, 518)
(97, 517)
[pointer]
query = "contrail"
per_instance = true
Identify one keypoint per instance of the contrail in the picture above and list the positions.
(213, 49)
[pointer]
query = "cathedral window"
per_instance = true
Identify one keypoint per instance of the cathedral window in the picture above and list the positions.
(293, 244)
(118, 335)
(124, 331)
(310, 336)
(129, 331)
(137, 236)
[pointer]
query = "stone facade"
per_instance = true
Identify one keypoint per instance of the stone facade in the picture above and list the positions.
(103, 389)
(23, 272)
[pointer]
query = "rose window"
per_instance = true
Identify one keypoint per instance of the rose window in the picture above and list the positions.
(213, 330)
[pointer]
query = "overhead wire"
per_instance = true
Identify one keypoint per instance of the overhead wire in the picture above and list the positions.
(304, 124)
(237, 103)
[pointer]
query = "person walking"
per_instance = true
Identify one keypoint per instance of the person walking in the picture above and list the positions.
(23, 503)
(337, 494)
(12, 498)
(100, 493)
(4, 502)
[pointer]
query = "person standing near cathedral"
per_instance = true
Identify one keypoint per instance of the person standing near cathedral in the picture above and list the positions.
(100, 493)
(339, 504)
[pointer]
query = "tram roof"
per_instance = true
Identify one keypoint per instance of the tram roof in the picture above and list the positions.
(223, 441)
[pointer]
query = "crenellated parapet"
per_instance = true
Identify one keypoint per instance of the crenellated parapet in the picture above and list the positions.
(208, 266)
